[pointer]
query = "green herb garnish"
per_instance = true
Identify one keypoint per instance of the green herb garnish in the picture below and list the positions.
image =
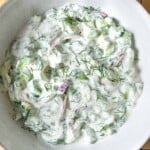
(50, 72)
(72, 90)
(72, 20)
(81, 75)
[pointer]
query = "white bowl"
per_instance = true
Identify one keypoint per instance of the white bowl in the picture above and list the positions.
(15, 13)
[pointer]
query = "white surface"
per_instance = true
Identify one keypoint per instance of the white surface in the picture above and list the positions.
(131, 15)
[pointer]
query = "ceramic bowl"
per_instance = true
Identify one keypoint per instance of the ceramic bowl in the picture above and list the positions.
(14, 15)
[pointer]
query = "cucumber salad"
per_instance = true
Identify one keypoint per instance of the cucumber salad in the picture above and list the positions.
(72, 74)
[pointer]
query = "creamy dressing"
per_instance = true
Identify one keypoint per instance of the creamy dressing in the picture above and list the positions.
(72, 74)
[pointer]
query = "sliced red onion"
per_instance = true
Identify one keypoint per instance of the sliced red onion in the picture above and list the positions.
(63, 86)
(103, 14)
